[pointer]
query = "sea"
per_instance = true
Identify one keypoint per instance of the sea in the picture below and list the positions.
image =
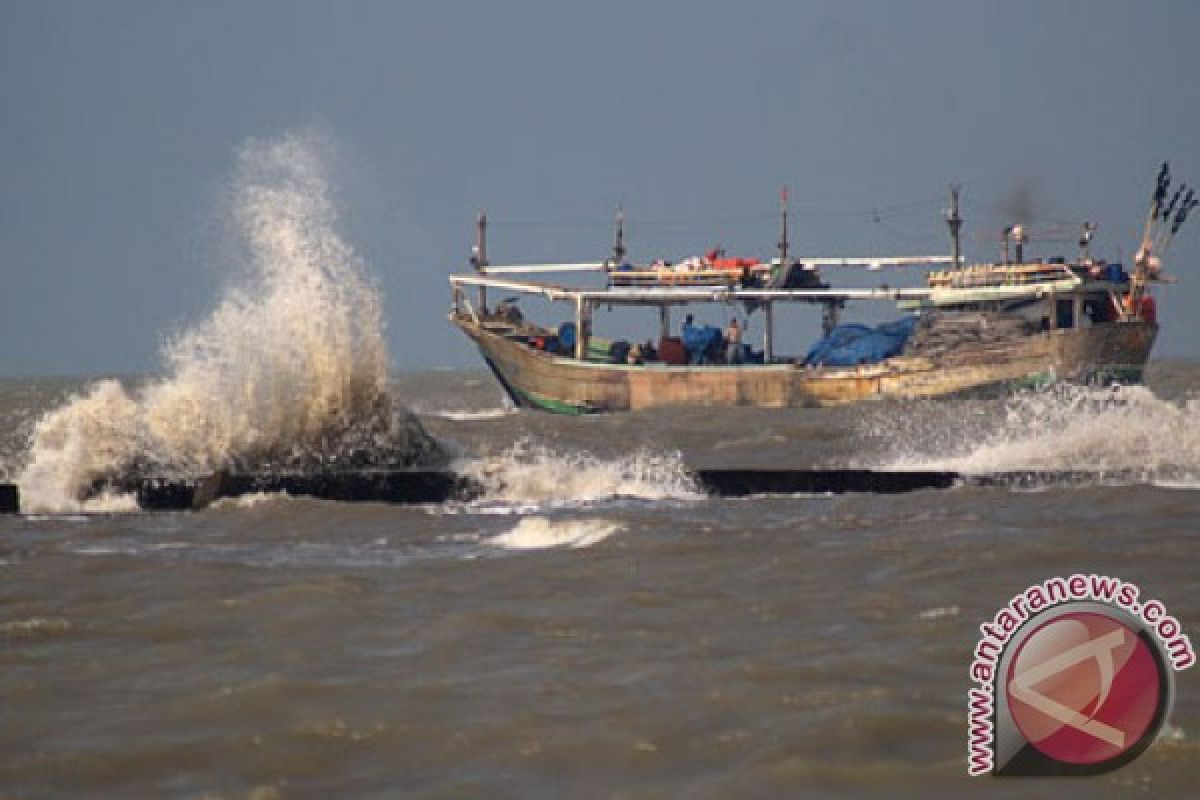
(592, 626)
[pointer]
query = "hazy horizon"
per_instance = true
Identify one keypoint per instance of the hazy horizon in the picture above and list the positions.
(122, 121)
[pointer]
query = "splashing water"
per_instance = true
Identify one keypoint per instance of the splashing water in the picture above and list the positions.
(539, 533)
(290, 367)
(1063, 427)
(530, 476)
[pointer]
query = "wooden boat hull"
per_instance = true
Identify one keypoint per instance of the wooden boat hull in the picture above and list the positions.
(1104, 353)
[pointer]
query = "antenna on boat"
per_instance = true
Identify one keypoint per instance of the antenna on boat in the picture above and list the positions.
(619, 243)
(954, 221)
(783, 212)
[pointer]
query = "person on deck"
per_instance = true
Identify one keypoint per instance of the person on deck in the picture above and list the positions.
(688, 334)
(733, 342)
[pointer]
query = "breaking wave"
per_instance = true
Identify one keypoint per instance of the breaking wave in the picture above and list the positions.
(1063, 427)
(529, 476)
(539, 533)
(291, 366)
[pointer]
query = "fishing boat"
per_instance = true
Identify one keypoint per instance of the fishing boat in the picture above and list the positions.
(971, 327)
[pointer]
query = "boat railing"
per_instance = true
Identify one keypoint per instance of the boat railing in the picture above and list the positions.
(673, 295)
(998, 275)
(670, 277)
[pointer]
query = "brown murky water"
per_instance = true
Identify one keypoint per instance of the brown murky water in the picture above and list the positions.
(593, 629)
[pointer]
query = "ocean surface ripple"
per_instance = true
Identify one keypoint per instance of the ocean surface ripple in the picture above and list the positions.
(592, 627)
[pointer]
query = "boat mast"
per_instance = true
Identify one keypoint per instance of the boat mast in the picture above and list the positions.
(479, 256)
(768, 306)
(783, 239)
(1145, 261)
(619, 243)
(954, 221)
(1085, 241)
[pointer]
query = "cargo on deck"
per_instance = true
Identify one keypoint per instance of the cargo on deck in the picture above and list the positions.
(1008, 323)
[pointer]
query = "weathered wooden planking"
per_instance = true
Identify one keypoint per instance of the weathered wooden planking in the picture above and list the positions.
(550, 382)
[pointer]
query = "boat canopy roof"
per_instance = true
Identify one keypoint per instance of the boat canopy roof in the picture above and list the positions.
(678, 295)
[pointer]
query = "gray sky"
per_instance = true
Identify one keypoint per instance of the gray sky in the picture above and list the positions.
(119, 122)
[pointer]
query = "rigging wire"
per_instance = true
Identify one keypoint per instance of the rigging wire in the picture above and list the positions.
(918, 237)
(801, 210)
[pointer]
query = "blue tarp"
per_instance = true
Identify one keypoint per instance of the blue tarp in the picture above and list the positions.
(566, 336)
(1116, 273)
(848, 345)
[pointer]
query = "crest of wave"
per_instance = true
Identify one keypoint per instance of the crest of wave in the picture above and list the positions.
(539, 533)
(531, 475)
(1062, 427)
(290, 368)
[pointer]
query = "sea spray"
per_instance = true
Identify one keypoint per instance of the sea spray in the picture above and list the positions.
(289, 369)
(529, 476)
(1061, 427)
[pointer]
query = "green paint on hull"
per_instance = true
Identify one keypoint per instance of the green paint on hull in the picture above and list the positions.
(543, 403)
(522, 371)
(1038, 380)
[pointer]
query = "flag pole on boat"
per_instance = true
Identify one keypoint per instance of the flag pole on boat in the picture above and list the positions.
(1189, 202)
(1162, 223)
(1162, 185)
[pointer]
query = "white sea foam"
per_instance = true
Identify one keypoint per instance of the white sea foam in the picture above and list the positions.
(538, 533)
(251, 500)
(36, 627)
(1061, 428)
(292, 356)
(529, 476)
(937, 613)
(469, 416)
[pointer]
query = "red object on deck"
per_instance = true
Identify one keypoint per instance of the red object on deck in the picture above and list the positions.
(734, 263)
(1147, 309)
(671, 351)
